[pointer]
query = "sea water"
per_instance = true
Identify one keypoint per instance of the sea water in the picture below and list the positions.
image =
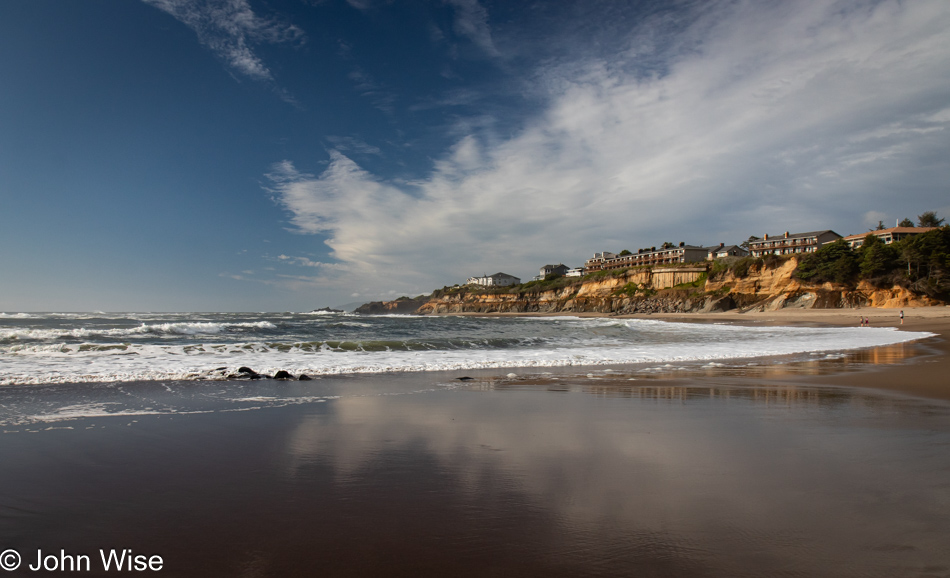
(37, 348)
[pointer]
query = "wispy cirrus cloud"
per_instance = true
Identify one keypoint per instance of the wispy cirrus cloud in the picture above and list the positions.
(230, 28)
(307, 262)
(471, 21)
(767, 117)
(354, 145)
(382, 98)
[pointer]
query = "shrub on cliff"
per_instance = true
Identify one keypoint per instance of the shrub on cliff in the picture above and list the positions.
(597, 275)
(743, 266)
(628, 290)
(549, 283)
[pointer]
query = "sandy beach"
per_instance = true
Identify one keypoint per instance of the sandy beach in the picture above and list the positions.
(925, 374)
(922, 370)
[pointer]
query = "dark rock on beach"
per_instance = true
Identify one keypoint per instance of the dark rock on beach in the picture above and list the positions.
(304, 377)
(250, 373)
(283, 375)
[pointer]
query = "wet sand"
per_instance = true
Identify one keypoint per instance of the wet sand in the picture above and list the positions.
(572, 477)
(926, 373)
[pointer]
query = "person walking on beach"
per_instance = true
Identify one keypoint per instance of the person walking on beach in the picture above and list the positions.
(902, 316)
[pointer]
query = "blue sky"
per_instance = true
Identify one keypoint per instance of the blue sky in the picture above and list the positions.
(292, 154)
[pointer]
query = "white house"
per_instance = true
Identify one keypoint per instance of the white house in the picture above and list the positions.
(496, 280)
(560, 269)
(724, 250)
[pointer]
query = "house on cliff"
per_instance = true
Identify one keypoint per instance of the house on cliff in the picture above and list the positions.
(559, 269)
(722, 251)
(496, 280)
(887, 235)
(791, 243)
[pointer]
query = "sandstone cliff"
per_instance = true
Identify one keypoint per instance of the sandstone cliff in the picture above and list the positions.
(646, 291)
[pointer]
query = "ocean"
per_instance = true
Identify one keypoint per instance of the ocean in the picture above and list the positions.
(44, 348)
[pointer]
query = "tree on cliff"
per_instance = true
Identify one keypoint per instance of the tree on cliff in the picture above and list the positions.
(745, 244)
(927, 258)
(929, 219)
(833, 262)
(906, 223)
(921, 262)
(875, 257)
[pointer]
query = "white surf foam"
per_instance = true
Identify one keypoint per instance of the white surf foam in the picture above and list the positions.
(145, 329)
(667, 343)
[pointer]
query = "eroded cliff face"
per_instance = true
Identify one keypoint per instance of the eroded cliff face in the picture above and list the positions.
(601, 296)
(765, 289)
(770, 289)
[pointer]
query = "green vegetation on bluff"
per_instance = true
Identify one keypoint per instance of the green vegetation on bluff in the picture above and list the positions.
(743, 266)
(921, 263)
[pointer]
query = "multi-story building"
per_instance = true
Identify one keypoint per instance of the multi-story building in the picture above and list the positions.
(791, 243)
(596, 262)
(887, 235)
(680, 254)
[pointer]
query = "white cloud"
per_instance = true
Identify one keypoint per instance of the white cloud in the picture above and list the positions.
(229, 28)
(779, 116)
(471, 21)
(307, 262)
(348, 143)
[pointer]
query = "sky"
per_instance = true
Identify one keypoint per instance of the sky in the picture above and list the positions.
(286, 155)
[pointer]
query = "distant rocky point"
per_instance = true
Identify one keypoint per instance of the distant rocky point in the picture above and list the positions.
(327, 310)
(403, 306)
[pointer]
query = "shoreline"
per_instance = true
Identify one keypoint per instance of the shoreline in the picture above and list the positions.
(923, 374)
(918, 369)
